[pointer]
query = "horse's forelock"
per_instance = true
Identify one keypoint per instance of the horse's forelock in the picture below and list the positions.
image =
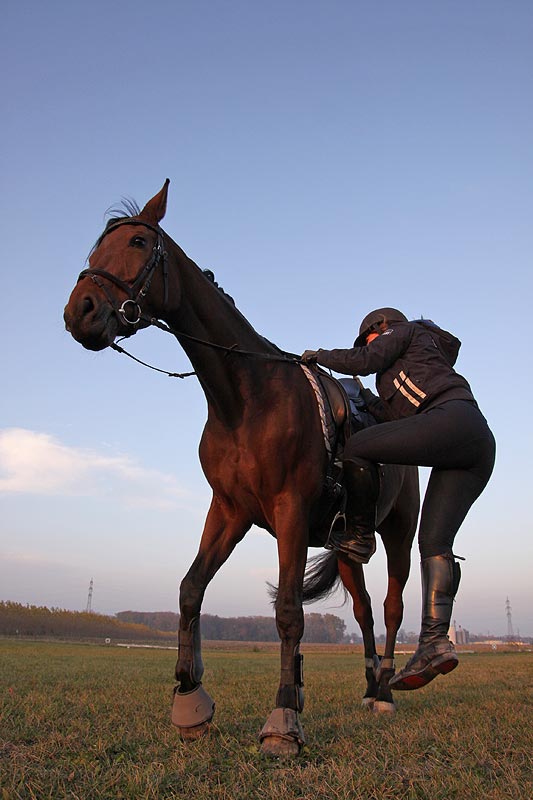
(127, 208)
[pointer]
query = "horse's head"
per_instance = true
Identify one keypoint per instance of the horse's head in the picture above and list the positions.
(126, 282)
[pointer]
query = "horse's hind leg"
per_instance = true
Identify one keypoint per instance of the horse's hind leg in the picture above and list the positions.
(352, 576)
(398, 549)
(193, 708)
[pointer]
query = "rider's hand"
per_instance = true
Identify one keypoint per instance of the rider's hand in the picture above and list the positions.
(310, 356)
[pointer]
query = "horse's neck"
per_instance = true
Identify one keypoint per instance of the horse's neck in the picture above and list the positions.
(206, 313)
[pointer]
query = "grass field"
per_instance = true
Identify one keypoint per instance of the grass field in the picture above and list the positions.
(93, 723)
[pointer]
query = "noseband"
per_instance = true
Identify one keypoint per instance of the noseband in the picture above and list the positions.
(138, 289)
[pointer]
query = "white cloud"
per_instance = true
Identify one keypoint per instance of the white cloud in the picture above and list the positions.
(38, 464)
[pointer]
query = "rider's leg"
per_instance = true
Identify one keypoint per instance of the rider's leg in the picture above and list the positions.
(358, 539)
(454, 439)
(449, 496)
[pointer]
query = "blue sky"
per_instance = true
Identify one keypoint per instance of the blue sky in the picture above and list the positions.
(325, 158)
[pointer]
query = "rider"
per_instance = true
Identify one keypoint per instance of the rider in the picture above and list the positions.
(432, 420)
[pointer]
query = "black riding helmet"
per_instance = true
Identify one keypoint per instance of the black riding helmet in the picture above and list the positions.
(373, 321)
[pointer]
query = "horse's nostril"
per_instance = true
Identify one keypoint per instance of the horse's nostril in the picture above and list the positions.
(87, 305)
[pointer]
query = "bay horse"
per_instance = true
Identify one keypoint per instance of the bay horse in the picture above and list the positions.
(263, 453)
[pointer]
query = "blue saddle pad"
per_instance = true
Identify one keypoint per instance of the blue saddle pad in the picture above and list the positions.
(361, 417)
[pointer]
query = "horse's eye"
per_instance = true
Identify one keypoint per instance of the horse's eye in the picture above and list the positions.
(137, 241)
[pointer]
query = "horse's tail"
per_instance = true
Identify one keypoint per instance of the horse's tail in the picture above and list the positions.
(321, 577)
(320, 580)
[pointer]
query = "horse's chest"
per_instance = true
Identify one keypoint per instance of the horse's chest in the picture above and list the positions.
(230, 461)
(242, 466)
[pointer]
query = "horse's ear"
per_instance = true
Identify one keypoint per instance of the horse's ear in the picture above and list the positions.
(154, 210)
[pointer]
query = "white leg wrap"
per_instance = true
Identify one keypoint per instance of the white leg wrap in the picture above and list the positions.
(385, 663)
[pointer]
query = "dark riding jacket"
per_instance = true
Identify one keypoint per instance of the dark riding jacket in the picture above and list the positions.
(412, 373)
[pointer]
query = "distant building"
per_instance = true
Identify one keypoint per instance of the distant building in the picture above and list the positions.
(457, 634)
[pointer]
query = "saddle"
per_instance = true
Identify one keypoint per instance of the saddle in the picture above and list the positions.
(342, 409)
(338, 402)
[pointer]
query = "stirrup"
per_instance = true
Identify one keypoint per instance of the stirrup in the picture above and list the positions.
(331, 541)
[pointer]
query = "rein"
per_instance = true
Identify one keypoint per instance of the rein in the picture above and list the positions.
(138, 290)
(233, 350)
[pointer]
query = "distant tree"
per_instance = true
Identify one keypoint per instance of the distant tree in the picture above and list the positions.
(325, 628)
(240, 629)
(157, 620)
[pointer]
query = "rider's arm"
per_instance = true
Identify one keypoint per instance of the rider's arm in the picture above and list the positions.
(374, 357)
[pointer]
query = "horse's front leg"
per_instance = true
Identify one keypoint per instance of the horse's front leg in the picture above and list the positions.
(193, 709)
(282, 734)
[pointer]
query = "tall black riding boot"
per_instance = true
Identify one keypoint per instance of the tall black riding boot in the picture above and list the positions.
(354, 532)
(435, 654)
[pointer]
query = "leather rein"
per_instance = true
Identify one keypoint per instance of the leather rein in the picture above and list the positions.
(130, 311)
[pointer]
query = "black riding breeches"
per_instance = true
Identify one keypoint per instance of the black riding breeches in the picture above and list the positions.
(456, 441)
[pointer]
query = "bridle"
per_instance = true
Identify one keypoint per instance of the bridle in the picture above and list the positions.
(130, 312)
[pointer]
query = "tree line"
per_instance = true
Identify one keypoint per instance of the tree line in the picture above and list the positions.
(326, 628)
(17, 619)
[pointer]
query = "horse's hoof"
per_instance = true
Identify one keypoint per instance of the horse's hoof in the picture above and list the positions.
(191, 734)
(368, 703)
(282, 734)
(192, 712)
(384, 707)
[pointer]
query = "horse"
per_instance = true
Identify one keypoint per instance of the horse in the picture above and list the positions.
(262, 451)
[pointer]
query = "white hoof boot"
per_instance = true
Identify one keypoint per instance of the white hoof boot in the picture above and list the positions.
(192, 712)
(282, 734)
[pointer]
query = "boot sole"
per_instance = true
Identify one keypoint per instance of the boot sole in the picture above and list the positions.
(441, 665)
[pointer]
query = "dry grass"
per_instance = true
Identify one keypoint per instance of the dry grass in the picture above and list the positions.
(92, 723)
